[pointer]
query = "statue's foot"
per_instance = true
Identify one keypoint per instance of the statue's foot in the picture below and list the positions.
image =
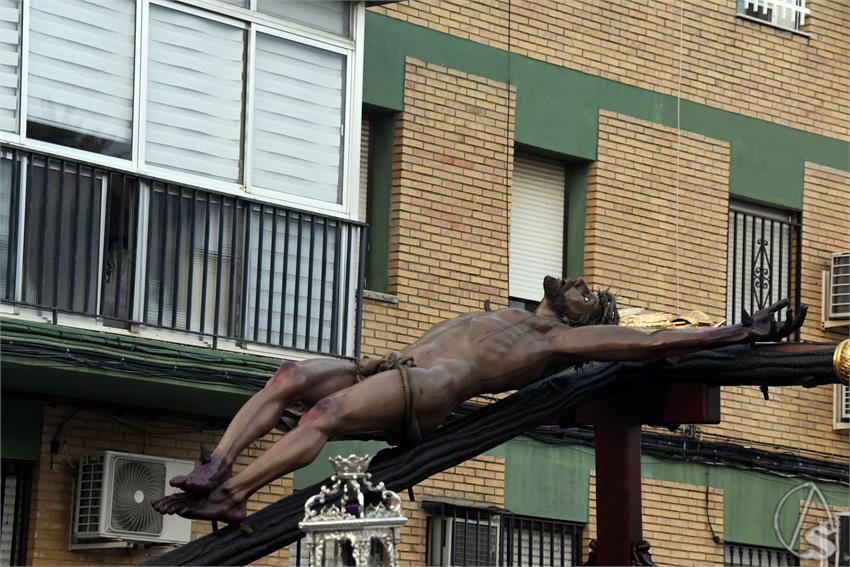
(205, 478)
(215, 505)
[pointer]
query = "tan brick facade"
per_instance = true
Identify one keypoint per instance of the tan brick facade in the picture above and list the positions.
(87, 431)
(631, 241)
(449, 225)
(726, 62)
(675, 522)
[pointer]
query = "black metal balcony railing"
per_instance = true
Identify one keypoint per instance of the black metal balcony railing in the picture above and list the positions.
(130, 249)
(762, 260)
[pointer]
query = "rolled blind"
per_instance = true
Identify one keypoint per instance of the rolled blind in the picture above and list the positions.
(298, 116)
(81, 66)
(10, 58)
(325, 15)
(536, 245)
(194, 106)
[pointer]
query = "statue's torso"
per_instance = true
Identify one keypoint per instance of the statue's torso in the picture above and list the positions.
(492, 351)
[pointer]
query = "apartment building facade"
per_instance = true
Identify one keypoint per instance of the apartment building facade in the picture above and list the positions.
(196, 190)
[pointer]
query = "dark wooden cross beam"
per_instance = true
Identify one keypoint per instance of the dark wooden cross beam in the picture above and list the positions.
(564, 397)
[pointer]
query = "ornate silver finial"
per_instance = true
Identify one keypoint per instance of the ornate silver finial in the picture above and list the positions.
(351, 509)
(351, 466)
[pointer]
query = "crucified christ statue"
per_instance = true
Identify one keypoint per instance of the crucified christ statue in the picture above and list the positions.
(409, 393)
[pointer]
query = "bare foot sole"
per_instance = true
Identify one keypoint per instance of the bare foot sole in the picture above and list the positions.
(212, 506)
(205, 478)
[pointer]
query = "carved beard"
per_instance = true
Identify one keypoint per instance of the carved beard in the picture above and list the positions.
(604, 314)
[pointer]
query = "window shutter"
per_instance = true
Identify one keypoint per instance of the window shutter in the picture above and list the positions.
(81, 69)
(363, 191)
(194, 106)
(298, 117)
(10, 58)
(844, 402)
(537, 225)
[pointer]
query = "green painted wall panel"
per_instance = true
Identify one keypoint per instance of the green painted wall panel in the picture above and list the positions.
(321, 468)
(21, 423)
(553, 482)
(546, 481)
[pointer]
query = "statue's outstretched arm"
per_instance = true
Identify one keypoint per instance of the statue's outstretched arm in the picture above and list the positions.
(610, 343)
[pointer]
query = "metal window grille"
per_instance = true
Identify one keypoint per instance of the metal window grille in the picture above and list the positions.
(762, 259)
(789, 14)
(753, 556)
(17, 488)
(535, 541)
(470, 536)
(210, 265)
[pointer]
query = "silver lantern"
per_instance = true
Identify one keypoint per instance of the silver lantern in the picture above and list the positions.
(359, 521)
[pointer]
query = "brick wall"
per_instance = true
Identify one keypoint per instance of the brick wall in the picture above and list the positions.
(450, 196)
(740, 66)
(87, 431)
(630, 240)
(674, 522)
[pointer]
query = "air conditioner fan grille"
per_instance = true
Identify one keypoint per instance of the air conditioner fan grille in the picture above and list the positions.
(135, 483)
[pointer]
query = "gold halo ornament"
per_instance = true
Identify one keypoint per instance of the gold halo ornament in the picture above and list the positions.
(841, 361)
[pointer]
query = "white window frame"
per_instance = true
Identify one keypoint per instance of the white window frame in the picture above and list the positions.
(798, 10)
(350, 47)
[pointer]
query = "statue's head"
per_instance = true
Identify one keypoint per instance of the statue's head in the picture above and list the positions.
(573, 303)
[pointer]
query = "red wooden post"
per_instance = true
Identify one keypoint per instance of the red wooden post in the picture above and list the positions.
(618, 505)
(616, 421)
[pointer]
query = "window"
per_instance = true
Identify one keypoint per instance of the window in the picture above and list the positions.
(761, 259)
(461, 536)
(538, 541)
(788, 14)
(17, 486)
(737, 555)
(473, 536)
(841, 407)
(229, 95)
(80, 83)
(536, 246)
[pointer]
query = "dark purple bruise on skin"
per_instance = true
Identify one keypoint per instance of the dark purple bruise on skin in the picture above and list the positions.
(322, 406)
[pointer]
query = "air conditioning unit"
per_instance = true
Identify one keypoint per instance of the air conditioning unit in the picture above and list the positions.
(112, 501)
(836, 291)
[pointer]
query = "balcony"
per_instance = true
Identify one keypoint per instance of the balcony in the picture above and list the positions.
(84, 245)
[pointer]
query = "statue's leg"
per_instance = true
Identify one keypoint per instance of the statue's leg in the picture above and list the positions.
(307, 381)
(376, 404)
